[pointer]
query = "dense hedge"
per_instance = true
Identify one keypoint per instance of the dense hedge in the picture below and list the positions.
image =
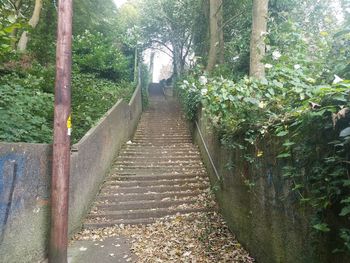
(26, 105)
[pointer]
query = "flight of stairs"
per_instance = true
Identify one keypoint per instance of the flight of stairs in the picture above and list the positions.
(157, 174)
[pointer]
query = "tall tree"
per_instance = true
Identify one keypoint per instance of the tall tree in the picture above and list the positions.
(220, 15)
(33, 22)
(257, 43)
(201, 34)
(216, 34)
(168, 26)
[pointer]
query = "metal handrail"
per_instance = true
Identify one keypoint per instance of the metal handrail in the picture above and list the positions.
(208, 153)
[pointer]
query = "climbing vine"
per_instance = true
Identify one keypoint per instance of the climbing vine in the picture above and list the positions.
(309, 121)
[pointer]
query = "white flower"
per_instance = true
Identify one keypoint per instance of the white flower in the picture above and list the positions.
(268, 66)
(311, 80)
(203, 80)
(297, 66)
(305, 40)
(235, 58)
(337, 79)
(186, 82)
(204, 92)
(262, 105)
(276, 55)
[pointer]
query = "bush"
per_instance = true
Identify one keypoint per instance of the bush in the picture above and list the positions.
(26, 112)
(93, 97)
(95, 53)
(26, 105)
(312, 121)
(145, 81)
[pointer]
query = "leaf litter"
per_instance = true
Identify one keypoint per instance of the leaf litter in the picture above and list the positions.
(193, 237)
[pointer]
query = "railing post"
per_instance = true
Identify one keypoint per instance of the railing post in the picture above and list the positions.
(62, 130)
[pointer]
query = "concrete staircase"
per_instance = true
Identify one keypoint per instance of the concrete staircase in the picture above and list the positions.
(158, 174)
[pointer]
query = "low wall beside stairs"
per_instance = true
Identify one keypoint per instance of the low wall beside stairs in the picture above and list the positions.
(266, 218)
(25, 175)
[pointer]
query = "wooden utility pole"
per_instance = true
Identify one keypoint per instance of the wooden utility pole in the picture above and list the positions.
(62, 131)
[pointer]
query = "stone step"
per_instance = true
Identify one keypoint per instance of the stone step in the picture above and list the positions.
(161, 141)
(163, 128)
(147, 162)
(157, 169)
(160, 154)
(146, 147)
(163, 135)
(138, 221)
(158, 174)
(145, 213)
(144, 172)
(154, 150)
(162, 122)
(112, 223)
(151, 189)
(167, 182)
(148, 204)
(138, 177)
(157, 146)
(161, 158)
(141, 139)
(118, 197)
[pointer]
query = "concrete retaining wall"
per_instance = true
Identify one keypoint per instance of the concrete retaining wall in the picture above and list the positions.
(25, 174)
(266, 218)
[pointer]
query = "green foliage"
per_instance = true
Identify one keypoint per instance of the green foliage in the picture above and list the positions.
(145, 81)
(26, 105)
(307, 48)
(25, 110)
(290, 107)
(339, 57)
(237, 32)
(42, 44)
(94, 16)
(102, 65)
(9, 23)
(93, 97)
(95, 53)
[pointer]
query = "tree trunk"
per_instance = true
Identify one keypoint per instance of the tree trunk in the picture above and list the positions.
(177, 60)
(221, 33)
(136, 69)
(17, 6)
(151, 65)
(257, 43)
(215, 34)
(34, 20)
